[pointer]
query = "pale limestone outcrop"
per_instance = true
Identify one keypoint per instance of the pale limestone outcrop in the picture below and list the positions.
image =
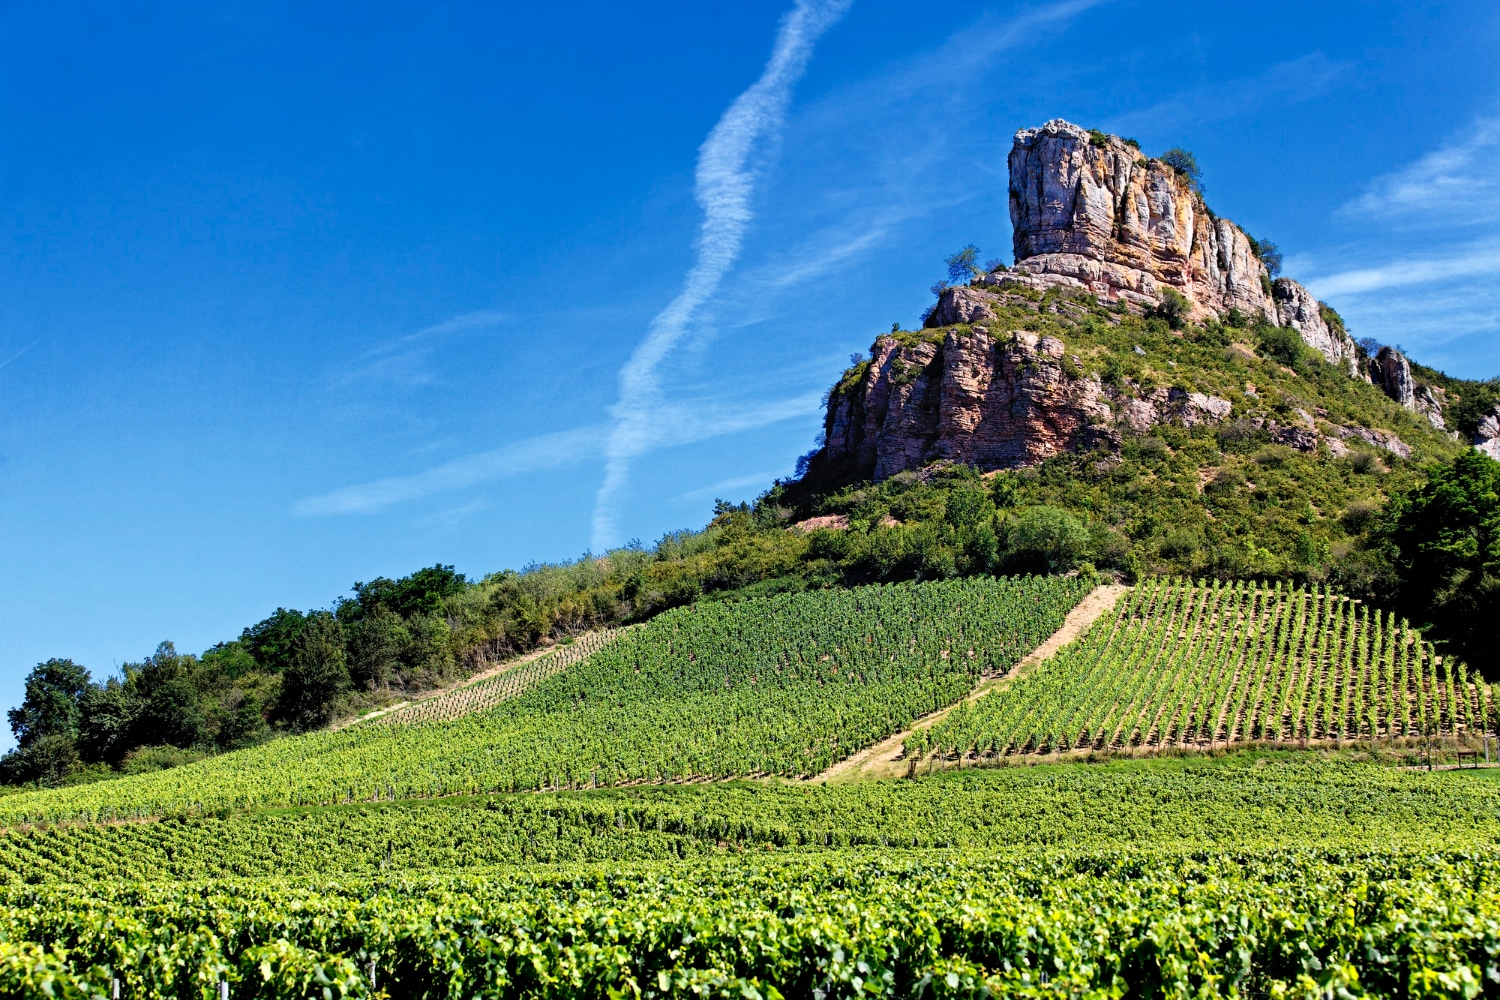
(1382, 439)
(1092, 207)
(957, 304)
(1391, 372)
(1296, 308)
(1089, 211)
(1487, 436)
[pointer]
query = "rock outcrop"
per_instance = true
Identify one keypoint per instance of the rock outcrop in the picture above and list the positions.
(994, 401)
(1296, 308)
(1391, 372)
(1089, 213)
(1487, 436)
(1088, 210)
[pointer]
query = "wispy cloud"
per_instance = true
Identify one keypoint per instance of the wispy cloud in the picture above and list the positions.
(452, 517)
(1439, 298)
(1285, 83)
(1457, 184)
(724, 182)
(727, 487)
(681, 423)
(900, 146)
(402, 360)
(1477, 260)
(534, 454)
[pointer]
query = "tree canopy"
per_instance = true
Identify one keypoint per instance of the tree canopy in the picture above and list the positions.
(1446, 535)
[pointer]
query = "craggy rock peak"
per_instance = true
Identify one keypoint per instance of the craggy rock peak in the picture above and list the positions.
(1091, 211)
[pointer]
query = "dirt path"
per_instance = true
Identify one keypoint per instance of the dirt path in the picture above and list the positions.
(884, 758)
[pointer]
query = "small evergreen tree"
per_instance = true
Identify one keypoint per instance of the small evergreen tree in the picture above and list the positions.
(964, 264)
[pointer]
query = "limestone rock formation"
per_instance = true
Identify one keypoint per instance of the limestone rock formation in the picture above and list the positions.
(958, 304)
(1487, 436)
(1390, 370)
(1090, 213)
(1384, 440)
(995, 401)
(1088, 210)
(1296, 308)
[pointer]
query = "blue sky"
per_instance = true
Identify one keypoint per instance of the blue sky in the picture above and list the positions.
(291, 297)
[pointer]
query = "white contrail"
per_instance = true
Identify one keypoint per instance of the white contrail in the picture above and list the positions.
(20, 352)
(723, 184)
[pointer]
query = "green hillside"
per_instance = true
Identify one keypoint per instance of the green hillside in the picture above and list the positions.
(784, 685)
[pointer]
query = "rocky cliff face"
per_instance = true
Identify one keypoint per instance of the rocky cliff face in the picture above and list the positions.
(994, 400)
(1090, 211)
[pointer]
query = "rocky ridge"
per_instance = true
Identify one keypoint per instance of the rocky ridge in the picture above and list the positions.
(1089, 213)
(991, 401)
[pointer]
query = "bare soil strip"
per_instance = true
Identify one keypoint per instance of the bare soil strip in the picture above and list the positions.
(883, 760)
(483, 675)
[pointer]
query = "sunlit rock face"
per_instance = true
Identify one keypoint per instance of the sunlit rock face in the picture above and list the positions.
(1091, 211)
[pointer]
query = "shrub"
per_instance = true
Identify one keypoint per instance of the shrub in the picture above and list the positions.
(1242, 436)
(1181, 543)
(1184, 162)
(1173, 308)
(1367, 463)
(1098, 138)
(1333, 319)
(1225, 481)
(1273, 456)
(1153, 448)
(1285, 345)
(1044, 539)
(1360, 516)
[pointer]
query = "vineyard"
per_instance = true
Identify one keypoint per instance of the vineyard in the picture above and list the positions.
(776, 686)
(487, 693)
(397, 859)
(1183, 664)
(1305, 922)
(1272, 801)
